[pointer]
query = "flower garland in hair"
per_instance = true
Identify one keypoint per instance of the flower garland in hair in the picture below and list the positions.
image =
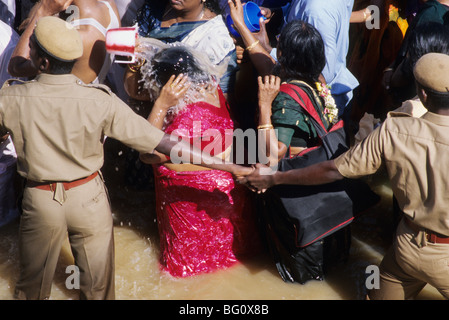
(330, 108)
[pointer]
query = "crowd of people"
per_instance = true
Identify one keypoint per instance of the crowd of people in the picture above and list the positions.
(198, 83)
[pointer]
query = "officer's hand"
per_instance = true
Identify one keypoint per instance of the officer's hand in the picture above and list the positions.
(260, 180)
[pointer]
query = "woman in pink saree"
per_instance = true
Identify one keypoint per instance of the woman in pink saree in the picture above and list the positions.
(205, 218)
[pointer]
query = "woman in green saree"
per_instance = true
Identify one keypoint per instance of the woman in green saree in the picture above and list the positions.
(300, 61)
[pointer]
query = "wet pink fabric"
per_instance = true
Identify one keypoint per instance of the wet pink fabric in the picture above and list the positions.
(206, 220)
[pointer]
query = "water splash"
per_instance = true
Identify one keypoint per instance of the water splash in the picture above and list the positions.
(202, 83)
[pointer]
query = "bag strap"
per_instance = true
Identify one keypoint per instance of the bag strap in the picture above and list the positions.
(305, 101)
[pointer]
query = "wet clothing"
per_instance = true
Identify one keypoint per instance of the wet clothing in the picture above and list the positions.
(416, 154)
(57, 124)
(206, 220)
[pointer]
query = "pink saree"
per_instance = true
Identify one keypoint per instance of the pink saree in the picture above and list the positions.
(205, 219)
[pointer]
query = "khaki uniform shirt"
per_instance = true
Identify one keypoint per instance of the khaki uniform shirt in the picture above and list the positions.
(415, 152)
(58, 124)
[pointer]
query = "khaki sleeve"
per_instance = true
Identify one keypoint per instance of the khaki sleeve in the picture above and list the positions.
(364, 158)
(130, 128)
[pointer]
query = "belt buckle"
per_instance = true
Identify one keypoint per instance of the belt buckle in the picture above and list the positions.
(431, 237)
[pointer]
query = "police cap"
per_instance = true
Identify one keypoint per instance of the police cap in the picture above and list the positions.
(432, 72)
(58, 38)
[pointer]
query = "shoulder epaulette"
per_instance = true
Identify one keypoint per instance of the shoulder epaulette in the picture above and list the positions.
(9, 82)
(397, 114)
(103, 87)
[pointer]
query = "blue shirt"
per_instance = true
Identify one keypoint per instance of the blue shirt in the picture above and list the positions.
(331, 19)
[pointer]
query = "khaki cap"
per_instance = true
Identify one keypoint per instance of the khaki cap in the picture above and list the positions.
(58, 38)
(432, 71)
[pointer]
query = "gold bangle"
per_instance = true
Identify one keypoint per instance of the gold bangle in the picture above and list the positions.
(252, 46)
(133, 68)
(268, 126)
(136, 66)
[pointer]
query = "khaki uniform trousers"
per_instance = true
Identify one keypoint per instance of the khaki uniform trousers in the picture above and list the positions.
(410, 264)
(83, 213)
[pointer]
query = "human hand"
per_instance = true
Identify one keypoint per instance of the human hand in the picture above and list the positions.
(268, 90)
(174, 90)
(236, 11)
(240, 52)
(262, 178)
(51, 7)
(266, 12)
(262, 35)
(242, 171)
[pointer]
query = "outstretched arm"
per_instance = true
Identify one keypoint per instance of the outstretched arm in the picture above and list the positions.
(320, 173)
(184, 152)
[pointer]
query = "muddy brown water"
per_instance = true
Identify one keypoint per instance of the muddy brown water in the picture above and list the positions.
(138, 276)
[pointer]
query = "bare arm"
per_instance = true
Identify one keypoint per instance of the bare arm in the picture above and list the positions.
(320, 173)
(181, 151)
(20, 64)
(256, 44)
(173, 90)
(184, 152)
(268, 90)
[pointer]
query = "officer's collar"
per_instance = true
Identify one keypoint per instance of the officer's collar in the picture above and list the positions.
(56, 78)
(437, 118)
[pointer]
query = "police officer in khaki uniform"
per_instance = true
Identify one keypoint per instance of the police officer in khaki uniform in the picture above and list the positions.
(57, 124)
(415, 152)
